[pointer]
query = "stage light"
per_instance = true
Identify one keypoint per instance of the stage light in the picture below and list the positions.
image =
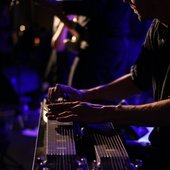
(22, 28)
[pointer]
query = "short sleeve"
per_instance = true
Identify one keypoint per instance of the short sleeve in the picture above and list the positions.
(141, 71)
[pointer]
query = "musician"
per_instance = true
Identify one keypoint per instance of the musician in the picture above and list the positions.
(151, 69)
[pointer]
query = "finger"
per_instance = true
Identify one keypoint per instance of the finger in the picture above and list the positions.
(51, 117)
(54, 112)
(65, 113)
(64, 116)
(50, 114)
(61, 114)
(51, 92)
(63, 105)
(68, 118)
(57, 93)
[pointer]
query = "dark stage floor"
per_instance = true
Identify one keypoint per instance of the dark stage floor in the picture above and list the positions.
(22, 141)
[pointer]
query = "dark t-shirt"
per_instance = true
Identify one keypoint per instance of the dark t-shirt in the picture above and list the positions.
(152, 69)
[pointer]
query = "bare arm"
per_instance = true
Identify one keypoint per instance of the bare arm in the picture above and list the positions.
(117, 89)
(152, 114)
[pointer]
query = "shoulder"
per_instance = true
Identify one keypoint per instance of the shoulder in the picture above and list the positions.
(157, 28)
(154, 34)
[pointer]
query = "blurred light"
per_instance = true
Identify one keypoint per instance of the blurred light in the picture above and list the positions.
(75, 19)
(17, 2)
(145, 138)
(37, 41)
(14, 2)
(73, 39)
(22, 28)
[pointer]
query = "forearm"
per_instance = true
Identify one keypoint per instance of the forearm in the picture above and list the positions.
(152, 114)
(118, 89)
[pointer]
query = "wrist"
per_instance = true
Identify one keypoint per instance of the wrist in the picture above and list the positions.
(84, 95)
(88, 95)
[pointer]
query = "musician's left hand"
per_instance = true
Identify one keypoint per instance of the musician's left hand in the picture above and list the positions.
(81, 112)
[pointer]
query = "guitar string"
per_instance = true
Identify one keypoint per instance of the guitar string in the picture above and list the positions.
(71, 158)
(126, 161)
(103, 150)
(114, 144)
(111, 144)
(121, 150)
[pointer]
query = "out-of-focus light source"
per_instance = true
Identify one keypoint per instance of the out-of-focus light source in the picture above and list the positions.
(75, 19)
(14, 2)
(17, 2)
(22, 28)
(73, 39)
(37, 41)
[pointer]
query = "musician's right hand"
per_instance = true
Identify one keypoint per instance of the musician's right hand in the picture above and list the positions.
(64, 92)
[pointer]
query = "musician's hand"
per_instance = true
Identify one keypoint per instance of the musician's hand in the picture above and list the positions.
(65, 92)
(81, 112)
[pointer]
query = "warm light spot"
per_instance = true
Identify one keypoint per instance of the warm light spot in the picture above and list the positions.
(17, 2)
(22, 28)
(37, 41)
(73, 39)
(75, 19)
